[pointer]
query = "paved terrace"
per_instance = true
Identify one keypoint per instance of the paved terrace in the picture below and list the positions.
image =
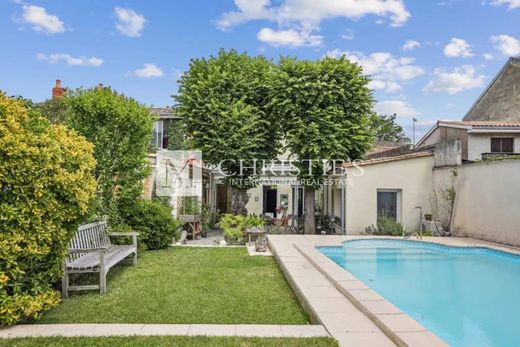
(103, 330)
(352, 313)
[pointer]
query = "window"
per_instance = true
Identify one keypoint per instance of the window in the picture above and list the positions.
(160, 134)
(502, 145)
(389, 204)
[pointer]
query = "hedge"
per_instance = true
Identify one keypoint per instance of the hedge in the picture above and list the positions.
(46, 185)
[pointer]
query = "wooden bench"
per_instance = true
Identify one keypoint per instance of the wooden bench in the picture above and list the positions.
(90, 251)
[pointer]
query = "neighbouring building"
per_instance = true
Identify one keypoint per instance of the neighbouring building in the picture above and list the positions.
(163, 118)
(461, 157)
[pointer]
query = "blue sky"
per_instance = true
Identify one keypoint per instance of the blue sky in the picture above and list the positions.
(430, 59)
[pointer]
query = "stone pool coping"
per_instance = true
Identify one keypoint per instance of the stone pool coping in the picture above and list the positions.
(399, 328)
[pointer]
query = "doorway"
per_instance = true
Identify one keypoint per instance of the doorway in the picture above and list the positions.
(270, 200)
(222, 198)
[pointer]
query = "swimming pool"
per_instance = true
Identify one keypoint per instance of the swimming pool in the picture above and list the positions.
(466, 296)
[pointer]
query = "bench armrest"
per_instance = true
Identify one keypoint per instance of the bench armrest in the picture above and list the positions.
(87, 250)
(132, 233)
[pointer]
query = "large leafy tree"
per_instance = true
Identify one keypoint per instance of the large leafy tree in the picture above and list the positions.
(120, 129)
(385, 128)
(55, 110)
(222, 101)
(325, 106)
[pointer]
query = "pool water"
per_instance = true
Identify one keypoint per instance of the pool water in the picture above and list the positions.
(466, 296)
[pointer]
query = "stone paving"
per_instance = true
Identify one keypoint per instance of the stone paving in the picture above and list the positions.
(324, 303)
(352, 313)
(92, 330)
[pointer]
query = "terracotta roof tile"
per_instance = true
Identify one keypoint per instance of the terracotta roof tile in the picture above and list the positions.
(483, 123)
(419, 154)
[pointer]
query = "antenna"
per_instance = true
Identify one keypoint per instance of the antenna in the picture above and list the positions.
(414, 120)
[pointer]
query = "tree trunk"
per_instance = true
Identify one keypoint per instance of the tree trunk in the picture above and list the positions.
(310, 211)
(239, 199)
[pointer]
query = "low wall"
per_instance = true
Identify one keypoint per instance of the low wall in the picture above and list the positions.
(487, 203)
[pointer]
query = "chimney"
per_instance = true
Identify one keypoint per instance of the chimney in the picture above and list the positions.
(58, 91)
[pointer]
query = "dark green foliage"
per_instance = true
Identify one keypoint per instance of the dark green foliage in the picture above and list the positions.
(120, 128)
(152, 220)
(222, 101)
(177, 137)
(386, 225)
(324, 108)
(189, 205)
(55, 110)
(385, 128)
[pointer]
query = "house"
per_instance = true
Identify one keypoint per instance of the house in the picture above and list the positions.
(479, 139)
(454, 173)
(163, 118)
(276, 188)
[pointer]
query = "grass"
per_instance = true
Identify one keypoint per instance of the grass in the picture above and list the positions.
(156, 341)
(188, 285)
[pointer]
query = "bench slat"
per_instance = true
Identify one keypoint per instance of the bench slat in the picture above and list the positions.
(87, 242)
(91, 261)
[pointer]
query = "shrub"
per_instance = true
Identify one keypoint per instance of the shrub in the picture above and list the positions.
(46, 185)
(234, 226)
(152, 220)
(120, 129)
(386, 225)
(189, 205)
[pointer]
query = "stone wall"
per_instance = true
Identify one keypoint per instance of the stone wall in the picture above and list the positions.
(502, 101)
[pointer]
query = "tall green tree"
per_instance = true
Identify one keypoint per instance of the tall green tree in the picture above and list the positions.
(385, 128)
(120, 129)
(222, 101)
(325, 108)
(55, 110)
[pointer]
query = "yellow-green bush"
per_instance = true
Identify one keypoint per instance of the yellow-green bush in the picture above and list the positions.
(234, 226)
(46, 184)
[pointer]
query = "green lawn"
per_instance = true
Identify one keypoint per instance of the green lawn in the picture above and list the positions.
(140, 341)
(188, 285)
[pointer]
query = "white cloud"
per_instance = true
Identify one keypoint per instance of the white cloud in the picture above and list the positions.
(458, 80)
(348, 35)
(388, 86)
(512, 4)
(311, 11)
(307, 15)
(458, 48)
(488, 56)
(148, 71)
(506, 44)
(410, 45)
(399, 107)
(130, 23)
(41, 20)
(384, 69)
(69, 59)
(290, 37)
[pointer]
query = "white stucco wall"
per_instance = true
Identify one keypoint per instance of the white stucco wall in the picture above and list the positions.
(255, 203)
(481, 143)
(488, 200)
(412, 176)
